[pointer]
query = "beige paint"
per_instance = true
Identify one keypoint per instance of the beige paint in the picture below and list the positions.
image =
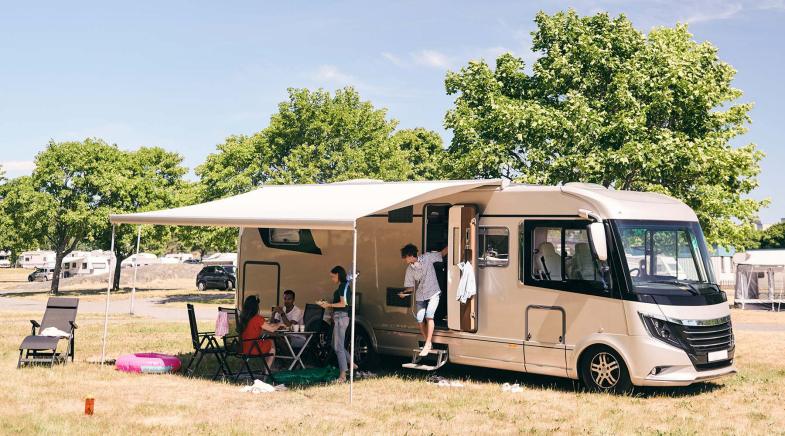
(500, 340)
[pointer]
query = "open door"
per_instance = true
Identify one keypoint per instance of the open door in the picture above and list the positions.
(462, 243)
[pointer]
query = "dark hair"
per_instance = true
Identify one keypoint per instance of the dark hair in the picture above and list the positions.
(289, 291)
(341, 273)
(250, 310)
(409, 250)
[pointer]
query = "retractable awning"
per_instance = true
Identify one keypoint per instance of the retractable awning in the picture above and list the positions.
(334, 206)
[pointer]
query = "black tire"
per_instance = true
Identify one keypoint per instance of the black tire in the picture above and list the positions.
(229, 285)
(365, 355)
(320, 349)
(201, 286)
(30, 278)
(603, 370)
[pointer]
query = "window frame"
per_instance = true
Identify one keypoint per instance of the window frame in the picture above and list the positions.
(481, 249)
(526, 228)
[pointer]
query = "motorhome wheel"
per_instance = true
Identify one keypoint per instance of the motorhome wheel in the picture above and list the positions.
(602, 369)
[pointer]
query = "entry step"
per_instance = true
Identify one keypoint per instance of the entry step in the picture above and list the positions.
(436, 356)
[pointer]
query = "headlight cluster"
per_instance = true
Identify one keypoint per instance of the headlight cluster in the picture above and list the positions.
(662, 330)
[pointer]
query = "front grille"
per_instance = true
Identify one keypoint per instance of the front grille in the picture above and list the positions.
(708, 338)
(698, 341)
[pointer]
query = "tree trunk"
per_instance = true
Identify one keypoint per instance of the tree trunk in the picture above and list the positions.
(59, 255)
(120, 257)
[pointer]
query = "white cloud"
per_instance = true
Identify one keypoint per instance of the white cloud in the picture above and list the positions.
(333, 75)
(432, 58)
(706, 14)
(397, 61)
(16, 168)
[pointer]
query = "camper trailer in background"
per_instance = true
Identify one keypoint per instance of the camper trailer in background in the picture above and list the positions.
(80, 263)
(37, 259)
(172, 258)
(5, 259)
(141, 259)
(220, 259)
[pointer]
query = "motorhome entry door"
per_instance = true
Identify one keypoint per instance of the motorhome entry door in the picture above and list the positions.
(461, 248)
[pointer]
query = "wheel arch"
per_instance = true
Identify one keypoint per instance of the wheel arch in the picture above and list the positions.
(594, 341)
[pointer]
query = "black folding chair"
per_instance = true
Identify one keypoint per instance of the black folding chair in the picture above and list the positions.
(205, 344)
(233, 344)
(320, 349)
(60, 314)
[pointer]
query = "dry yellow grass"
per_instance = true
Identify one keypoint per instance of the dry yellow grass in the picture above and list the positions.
(43, 400)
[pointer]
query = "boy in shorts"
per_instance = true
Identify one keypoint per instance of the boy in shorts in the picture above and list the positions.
(421, 280)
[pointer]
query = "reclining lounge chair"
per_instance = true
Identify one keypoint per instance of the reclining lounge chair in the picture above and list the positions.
(58, 324)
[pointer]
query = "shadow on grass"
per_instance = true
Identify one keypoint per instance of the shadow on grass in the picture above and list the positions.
(390, 366)
(209, 298)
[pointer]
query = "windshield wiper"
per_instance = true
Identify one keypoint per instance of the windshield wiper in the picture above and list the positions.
(689, 286)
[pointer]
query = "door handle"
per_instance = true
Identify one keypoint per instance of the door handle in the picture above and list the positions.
(561, 339)
(528, 336)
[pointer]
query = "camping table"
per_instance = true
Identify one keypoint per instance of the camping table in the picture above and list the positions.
(295, 357)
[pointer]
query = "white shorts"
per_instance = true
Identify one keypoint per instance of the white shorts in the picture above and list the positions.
(426, 308)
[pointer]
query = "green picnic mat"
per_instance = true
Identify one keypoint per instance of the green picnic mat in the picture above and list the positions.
(306, 376)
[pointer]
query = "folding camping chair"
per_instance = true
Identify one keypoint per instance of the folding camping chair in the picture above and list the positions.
(233, 344)
(58, 323)
(205, 343)
(320, 348)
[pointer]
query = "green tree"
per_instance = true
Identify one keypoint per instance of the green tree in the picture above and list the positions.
(424, 151)
(316, 137)
(607, 104)
(773, 237)
(152, 179)
(63, 202)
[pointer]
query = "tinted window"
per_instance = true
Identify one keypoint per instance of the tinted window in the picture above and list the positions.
(494, 246)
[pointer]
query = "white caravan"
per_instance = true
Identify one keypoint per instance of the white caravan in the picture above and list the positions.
(141, 259)
(611, 287)
(79, 263)
(37, 259)
(5, 261)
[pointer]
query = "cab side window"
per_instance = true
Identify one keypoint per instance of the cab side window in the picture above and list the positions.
(559, 256)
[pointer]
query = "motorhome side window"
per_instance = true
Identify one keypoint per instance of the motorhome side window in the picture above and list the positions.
(285, 236)
(562, 253)
(494, 244)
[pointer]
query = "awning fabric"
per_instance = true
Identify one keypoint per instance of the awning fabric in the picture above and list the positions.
(334, 206)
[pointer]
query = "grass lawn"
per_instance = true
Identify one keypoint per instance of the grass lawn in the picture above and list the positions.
(44, 400)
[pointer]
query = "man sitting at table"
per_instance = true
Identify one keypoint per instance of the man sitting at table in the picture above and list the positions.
(289, 315)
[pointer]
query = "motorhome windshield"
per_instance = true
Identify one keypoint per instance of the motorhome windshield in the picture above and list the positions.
(664, 255)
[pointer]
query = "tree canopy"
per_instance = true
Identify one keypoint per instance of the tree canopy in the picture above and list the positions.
(318, 137)
(605, 103)
(773, 237)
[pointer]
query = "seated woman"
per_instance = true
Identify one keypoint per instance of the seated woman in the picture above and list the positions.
(252, 325)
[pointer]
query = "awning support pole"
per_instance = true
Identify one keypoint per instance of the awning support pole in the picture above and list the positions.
(108, 289)
(136, 265)
(354, 311)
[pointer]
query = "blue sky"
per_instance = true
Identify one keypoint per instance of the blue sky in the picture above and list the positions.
(184, 75)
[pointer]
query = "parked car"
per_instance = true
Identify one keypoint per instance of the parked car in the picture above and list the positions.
(192, 261)
(41, 275)
(216, 277)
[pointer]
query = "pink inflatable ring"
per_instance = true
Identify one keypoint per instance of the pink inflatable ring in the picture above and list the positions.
(147, 363)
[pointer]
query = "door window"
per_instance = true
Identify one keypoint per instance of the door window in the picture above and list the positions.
(494, 244)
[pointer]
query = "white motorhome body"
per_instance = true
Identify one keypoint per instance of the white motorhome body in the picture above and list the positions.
(573, 281)
(79, 263)
(5, 261)
(36, 259)
(141, 259)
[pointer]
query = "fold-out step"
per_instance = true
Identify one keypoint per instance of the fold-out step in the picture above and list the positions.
(436, 357)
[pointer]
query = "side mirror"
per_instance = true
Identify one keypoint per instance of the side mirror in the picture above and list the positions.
(598, 241)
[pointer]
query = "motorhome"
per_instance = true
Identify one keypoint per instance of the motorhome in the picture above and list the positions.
(611, 287)
(36, 259)
(79, 263)
(141, 259)
(173, 258)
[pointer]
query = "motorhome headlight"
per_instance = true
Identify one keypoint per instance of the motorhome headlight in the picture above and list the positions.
(661, 329)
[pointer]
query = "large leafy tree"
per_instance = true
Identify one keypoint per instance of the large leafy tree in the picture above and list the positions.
(773, 237)
(318, 137)
(64, 201)
(152, 179)
(607, 104)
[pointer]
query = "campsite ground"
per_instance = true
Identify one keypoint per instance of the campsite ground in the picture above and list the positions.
(44, 400)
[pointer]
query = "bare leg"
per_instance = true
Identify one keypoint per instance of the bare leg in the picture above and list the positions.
(424, 329)
(428, 333)
(271, 359)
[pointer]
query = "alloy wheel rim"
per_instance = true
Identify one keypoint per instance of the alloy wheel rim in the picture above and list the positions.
(605, 370)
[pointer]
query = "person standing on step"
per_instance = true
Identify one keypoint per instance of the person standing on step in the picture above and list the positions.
(421, 280)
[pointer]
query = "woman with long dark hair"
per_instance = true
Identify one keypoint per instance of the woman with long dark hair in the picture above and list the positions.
(342, 307)
(252, 325)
